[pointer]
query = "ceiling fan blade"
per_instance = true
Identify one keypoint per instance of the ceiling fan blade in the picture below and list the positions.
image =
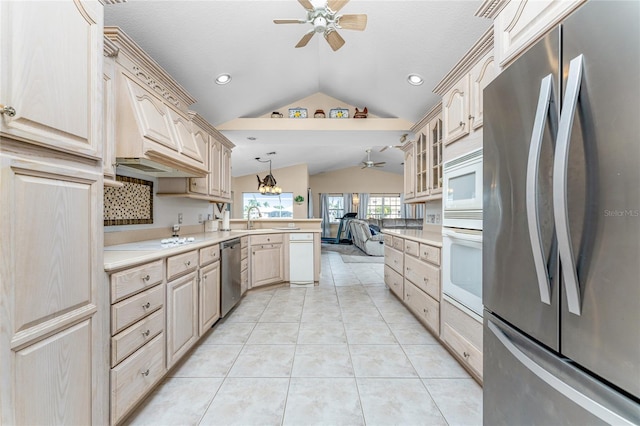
(336, 5)
(306, 4)
(305, 39)
(334, 39)
(384, 148)
(364, 167)
(380, 163)
(289, 21)
(353, 22)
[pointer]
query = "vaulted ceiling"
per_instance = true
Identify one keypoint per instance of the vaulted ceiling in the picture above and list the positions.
(195, 41)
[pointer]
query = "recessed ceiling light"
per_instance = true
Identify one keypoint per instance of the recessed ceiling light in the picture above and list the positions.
(415, 79)
(223, 79)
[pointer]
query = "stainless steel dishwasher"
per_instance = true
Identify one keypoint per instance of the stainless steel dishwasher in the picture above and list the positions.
(230, 285)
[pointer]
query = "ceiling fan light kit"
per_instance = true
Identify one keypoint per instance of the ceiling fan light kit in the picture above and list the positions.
(370, 164)
(326, 21)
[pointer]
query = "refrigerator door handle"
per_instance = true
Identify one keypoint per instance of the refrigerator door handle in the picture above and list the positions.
(570, 392)
(533, 219)
(560, 168)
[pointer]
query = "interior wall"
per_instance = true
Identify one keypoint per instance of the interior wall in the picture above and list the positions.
(354, 179)
(291, 179)
(166, 209)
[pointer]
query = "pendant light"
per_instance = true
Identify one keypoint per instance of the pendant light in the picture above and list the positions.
(268, 186)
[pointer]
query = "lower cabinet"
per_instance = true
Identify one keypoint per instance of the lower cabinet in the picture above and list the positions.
(244, 265)
(462, 334)
(423, 306)
(209, 296)
(182, 316)
(267, 259)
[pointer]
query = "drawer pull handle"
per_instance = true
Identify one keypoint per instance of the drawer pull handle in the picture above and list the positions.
(425, 310)
(425, 279)
(146, 305)
(466, 354)
(204, 277)
(408, 269)
(145, 373)
(426, 254)
(187, 263)
(146, 278)
(146, 333)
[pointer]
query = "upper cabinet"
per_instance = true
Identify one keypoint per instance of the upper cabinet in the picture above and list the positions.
(108, 114)
(520, 23)
(461, 90)
(51, 79)
(423, 159)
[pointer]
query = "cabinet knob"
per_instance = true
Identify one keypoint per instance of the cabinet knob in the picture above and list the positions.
(146, 278)
(425, 310)
(461, 124)
(145, 373)
(187, 263)
(204, 277)
(146, 305)
(6, 109)
(471, 117)
(466, 354)
(146, 333)
(425, 279)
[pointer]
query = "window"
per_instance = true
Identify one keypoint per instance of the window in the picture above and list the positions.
(270, 206)
(336, 207)
(383, 206)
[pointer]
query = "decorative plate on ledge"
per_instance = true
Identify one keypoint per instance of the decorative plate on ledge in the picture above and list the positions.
(339, 113)
(297, 113)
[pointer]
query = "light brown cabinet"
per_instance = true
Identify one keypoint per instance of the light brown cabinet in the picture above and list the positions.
(423, 166)
(462, 334)
(455, 110)
(53, 308)
(267, 259)
(209, 296)
(244, 265)
(109, 115)
(51, 79)
(182, 316)
(138, 334)
(414, 279)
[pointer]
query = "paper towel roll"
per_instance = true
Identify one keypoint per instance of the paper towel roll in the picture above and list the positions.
(225, 221)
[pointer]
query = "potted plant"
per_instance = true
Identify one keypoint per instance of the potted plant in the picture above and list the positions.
(299, 199)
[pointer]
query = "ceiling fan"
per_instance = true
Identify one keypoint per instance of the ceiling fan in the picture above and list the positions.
(369, 164)
(403, 139)
(325, 20)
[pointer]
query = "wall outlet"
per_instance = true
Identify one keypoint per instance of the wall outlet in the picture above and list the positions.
(179, 218)
(200, 218)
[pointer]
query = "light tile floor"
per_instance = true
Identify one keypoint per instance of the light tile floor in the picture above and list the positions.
(346, 352)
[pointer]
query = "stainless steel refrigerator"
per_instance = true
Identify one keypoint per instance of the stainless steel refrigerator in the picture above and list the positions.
(561, 247)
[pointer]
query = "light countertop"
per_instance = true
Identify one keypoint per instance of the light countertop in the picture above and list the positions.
(122, 256)
(427, 236)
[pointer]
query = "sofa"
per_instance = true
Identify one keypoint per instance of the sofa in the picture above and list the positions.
(397, 223)
(373, 245)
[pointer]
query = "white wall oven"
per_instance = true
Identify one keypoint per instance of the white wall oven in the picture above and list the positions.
(462, 198)
(462, 267)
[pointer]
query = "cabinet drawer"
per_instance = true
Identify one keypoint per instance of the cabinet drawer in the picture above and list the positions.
(130, 310)
(181, 264)
(467, 353)
(412, 248)
(244, 252)
(393, 258)
(393, 280)
(244, 263)
(135, 279)
(266, 239)
(209, 254)
(244, 241)
(425, 308)
(423, 275)
(128, 341)
(430, 253)
(468, 327)
(388, 240)
(135, 376)
(244, 281)
(398, 243)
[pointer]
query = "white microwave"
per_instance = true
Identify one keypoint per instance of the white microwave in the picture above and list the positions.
(462, 192)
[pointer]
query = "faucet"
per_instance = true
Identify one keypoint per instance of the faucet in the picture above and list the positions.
(249, 222)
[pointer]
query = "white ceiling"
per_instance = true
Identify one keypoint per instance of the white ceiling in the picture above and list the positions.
(195, 41)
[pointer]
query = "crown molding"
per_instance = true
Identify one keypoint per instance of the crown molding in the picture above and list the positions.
(422, 123)
(206, 126)
(490, 8)
(464, 65)
(109, 48)
(145, 67)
